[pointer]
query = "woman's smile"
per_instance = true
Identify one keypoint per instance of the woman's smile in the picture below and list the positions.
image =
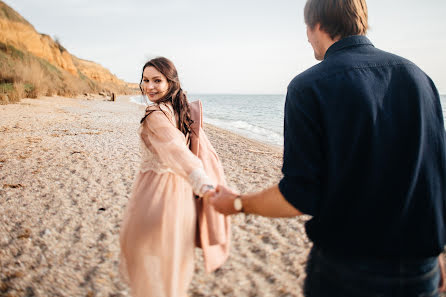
(154, 84)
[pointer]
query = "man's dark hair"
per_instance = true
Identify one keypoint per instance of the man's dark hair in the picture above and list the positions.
(339, 18)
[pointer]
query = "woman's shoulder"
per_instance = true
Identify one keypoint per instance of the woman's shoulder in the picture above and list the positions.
(152, 107)
(163, 106)
(166, 107)
(161, 109)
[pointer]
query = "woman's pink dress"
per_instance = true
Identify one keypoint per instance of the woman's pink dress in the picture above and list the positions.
(158, 232)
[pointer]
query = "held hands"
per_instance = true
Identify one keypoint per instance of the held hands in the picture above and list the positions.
(223, 200)
(209, 193)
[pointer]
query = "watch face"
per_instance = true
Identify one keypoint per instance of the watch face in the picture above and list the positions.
(238, 204)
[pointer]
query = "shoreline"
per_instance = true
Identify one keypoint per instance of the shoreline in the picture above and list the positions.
(136, 99)
(67, 167)
(255, 142)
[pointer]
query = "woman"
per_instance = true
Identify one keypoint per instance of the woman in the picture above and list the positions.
(158, 232)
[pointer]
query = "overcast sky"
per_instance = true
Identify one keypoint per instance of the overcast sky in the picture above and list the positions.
(230, 46)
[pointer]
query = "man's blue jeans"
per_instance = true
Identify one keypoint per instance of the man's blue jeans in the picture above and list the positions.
(329, 275)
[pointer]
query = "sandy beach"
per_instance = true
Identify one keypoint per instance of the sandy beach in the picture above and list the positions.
(66, 172)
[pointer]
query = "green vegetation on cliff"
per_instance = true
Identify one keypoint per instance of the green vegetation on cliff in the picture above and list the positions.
(25, 75)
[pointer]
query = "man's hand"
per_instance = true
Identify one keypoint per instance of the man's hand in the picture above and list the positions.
(223, 200)
(267, 203)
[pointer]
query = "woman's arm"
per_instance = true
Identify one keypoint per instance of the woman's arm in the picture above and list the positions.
(168, 143)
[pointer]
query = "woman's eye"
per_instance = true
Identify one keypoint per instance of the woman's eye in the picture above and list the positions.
(157, 81)
(145, 80)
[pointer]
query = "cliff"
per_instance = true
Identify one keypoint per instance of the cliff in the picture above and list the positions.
(21, 43)
(24, 37)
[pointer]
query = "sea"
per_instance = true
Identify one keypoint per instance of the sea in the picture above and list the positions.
(259, 117)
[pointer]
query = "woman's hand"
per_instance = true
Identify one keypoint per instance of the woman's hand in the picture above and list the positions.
(208, 194)
(223, 200)
(208, 191)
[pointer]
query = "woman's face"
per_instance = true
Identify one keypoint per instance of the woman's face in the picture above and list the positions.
(154, 84)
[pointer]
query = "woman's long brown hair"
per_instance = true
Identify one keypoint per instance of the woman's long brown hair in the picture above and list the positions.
(175, 94)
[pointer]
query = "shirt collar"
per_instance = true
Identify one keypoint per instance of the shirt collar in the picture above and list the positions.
(349, 41)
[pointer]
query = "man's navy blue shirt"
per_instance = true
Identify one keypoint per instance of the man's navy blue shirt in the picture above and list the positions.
(364, 153)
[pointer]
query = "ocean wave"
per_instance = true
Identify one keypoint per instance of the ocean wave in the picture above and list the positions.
(139, 99)
(248, 130)
(248, 122)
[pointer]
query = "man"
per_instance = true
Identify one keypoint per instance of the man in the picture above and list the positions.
(364, 155)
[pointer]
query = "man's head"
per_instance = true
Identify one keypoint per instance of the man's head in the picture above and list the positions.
(330, 20)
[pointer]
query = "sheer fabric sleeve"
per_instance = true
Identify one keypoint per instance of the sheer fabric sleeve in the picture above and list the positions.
(168, 143)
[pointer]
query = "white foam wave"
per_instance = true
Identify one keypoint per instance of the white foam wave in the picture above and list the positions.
(139, 99)
(248, 130)
(245, 127)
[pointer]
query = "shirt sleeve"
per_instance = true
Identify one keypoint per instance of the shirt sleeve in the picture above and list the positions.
(302, 159)
(167, 142)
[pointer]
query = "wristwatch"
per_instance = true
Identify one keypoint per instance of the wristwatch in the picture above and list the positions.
(238, 204)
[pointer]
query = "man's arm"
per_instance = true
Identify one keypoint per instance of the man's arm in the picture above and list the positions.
(268, 203)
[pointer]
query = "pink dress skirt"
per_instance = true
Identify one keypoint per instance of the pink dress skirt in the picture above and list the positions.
(158, 235)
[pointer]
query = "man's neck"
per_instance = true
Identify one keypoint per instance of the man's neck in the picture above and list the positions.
(326, 43)
(320, 40)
